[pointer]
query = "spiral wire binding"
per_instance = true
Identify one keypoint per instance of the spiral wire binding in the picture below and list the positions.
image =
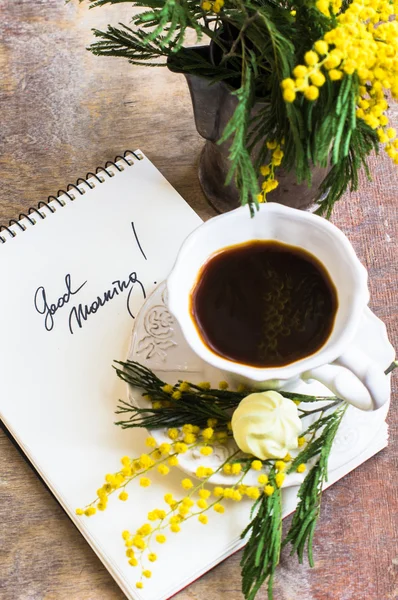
(69, 193)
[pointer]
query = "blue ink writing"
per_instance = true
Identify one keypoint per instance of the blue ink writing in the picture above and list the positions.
(137, 240)
(43, 306)
(79, 314)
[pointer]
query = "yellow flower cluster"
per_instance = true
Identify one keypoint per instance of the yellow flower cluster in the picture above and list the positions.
(365, 43)
(257, 465)
(309, 77)
(268, 171)
(197, 500)
(175, 393)
(262, 479)
(326, 7)
(215, 6)
(162, 457)
(232, 468)
(204, 472)
(136, 468)
(165, 455)
(172, 393)
(190, 435)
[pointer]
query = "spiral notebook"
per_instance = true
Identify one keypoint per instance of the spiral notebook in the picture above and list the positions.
(74, 272)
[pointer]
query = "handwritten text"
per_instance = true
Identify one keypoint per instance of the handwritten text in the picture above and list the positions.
(45, 308)
(79, 314)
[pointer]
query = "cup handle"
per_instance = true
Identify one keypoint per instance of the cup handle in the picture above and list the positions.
(355, 378)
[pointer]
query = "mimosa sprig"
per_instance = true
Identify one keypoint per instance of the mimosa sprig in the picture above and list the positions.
(198, 418)
(185, 402)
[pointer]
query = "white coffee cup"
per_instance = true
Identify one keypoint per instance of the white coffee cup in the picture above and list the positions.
(340, 365)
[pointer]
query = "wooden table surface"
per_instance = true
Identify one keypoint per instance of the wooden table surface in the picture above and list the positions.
(64, 112)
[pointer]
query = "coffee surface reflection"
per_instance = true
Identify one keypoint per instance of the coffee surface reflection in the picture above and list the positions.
(263, 304)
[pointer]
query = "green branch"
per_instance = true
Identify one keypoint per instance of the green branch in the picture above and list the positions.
(237, 128)
(193, 405)
(262, 551)
(305, 518)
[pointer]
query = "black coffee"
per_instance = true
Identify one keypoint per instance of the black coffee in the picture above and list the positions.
(264, 304)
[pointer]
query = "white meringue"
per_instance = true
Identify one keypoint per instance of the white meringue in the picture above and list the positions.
(266, 425)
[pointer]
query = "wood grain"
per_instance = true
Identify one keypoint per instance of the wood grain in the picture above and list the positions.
(63, 112)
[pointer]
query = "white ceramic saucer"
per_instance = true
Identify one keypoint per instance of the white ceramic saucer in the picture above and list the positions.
(157, 343)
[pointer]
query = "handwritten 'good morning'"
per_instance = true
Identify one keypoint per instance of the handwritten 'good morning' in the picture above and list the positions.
(79, 313)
